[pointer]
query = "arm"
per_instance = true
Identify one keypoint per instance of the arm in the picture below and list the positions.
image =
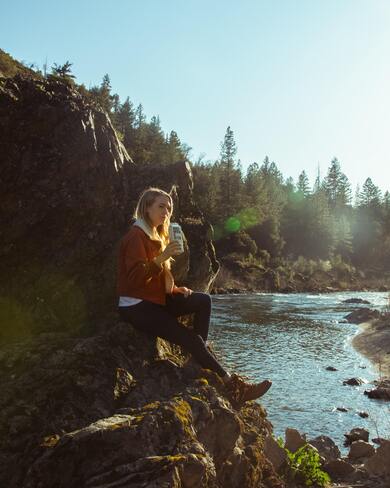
(139, 269)
(182, 289)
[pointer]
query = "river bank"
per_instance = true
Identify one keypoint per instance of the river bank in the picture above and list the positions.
(242, 276)
(305, 340)
(374, 343)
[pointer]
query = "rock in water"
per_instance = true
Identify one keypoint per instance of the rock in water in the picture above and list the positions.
(354, 382)
(356, 434)
(378, 393)
(362, 315)
(356, 300)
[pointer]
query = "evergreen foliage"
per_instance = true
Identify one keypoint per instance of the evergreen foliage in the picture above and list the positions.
(63, 71)
(273, 216)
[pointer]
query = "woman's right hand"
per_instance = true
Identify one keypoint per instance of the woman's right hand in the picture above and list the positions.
(172, 249)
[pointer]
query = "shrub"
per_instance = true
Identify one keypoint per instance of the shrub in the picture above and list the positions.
(238, 242)
(304, 466)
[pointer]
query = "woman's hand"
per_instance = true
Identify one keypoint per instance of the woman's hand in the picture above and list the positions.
(172, 249)
(183, 290)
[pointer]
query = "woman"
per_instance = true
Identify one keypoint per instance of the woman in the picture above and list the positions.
(150, 300)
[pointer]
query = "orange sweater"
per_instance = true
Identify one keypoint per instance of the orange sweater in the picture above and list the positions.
(138, 276)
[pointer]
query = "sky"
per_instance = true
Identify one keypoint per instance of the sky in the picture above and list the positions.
(299, 81)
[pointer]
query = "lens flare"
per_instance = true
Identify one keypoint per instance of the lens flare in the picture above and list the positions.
(232, 224)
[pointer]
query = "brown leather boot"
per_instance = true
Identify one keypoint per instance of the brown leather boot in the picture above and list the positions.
(241, 391)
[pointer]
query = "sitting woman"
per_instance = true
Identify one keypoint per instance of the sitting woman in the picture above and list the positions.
(150, 300)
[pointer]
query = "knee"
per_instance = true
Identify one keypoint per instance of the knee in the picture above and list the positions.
(204, 299)
(197, 342)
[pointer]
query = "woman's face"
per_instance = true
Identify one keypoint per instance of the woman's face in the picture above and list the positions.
(159, 211)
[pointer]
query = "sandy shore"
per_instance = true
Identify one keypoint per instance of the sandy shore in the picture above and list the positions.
(374, 342)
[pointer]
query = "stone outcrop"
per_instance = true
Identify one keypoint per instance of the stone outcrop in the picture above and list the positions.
(326, 447)
(338, 469)
(356, 434)
(68, 191)
(276, 454)
(294, 440)
(86, 400)
(361, 449)
(124, 409)
(378, 464)
(381, 390)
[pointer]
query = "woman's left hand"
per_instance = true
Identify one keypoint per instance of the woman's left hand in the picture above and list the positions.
(183, 290)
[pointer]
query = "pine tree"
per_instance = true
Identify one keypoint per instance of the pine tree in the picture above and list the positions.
(155, 141)
(228, 173)
(290, 186)
(206, 191)
(343, 238)
(386, 201)
(173, 145)
(303, 184)
(63, 70)
(370, 195)
(124, 122)
(102, 94)
(337, 186)
(140, 117)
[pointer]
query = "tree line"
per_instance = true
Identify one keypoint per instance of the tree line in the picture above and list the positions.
(273, 215)
(292, 219)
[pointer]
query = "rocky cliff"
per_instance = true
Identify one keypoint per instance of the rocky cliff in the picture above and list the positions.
(117, 410)
(85, 400)
(68, 191)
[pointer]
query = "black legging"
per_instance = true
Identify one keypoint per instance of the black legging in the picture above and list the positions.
(160, 320)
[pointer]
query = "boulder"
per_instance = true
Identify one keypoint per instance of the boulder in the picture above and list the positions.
(378, 393)
(326, 447)
(338, 469)
(356, 434)
(276, 454)
(378, 440)
(379, 463)
(342, 409)
(363, 415)
(362, 315)
(356, 300)
(354, 382)
(361, 449)
(331, 368)
(294, 440)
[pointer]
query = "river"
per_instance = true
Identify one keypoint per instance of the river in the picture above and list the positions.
(291, 339)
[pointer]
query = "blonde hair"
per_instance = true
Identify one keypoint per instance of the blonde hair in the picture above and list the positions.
(147, 198)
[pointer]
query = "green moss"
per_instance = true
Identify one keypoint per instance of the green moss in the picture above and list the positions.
(183, 412)
(197, 398)
(176, 459)
(118, 425)
(151, 406)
